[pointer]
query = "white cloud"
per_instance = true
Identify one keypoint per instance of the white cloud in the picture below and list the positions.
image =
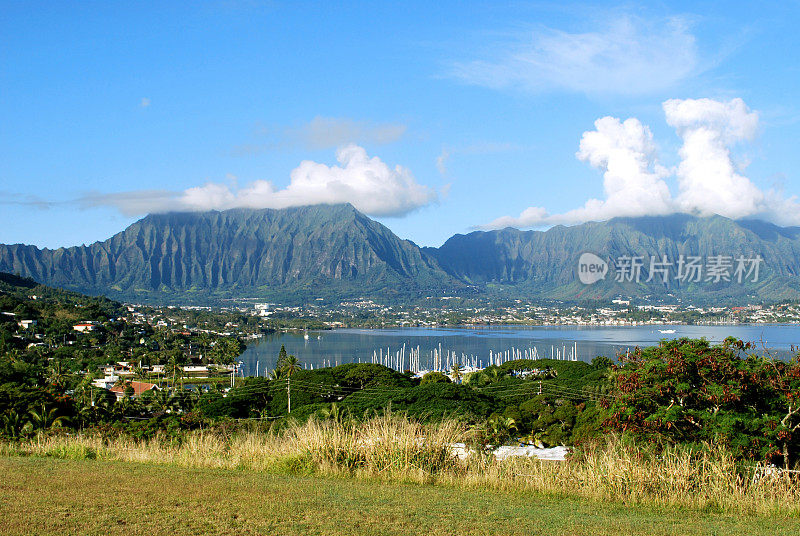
(625, 55)
(530, 217)
(366, 182)
(29, 200)
(780, 209)
(708, 180)
(707, 177)
(633, 182)
(132, 203)
(210, 196)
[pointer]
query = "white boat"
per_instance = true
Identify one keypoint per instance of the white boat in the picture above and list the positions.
(666, 331)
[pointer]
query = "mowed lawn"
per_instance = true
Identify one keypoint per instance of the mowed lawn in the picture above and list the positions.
(49, 496)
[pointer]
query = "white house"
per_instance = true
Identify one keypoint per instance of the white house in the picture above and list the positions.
(107, 382)
(83, 327)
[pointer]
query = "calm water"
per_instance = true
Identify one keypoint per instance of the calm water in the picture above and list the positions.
(353, 345)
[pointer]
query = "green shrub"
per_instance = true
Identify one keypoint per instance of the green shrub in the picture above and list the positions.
(71, 451)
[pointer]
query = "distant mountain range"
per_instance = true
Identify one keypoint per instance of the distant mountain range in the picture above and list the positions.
(335, 252)
(546, 263)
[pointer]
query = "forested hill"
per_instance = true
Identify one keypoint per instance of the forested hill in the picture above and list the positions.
(304, 252)
(546, 262)
(55, 309)
(334, 251)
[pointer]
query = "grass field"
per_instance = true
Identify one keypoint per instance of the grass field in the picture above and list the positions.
(51, 496)
(394, 448)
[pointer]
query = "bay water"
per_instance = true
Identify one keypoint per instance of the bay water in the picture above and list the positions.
(478, 345)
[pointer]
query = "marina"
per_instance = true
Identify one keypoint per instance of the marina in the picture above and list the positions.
(421, 349)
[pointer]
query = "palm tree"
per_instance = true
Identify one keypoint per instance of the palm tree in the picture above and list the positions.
(187, 400)
(172, 368)
(501, 427)
(291, 365)
(204, 341)
(121, 408)
(123, 382)
(334, 413)
(139, 373)
(85, 414)
(49, 339)
(13, 423)
(161, 400)
(84, 388)
(57, 375)
(456, 372)
(45, 419)
(102, 406)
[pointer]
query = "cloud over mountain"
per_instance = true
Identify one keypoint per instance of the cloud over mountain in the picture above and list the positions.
(708, 180)
(707, 177)
(366, 182)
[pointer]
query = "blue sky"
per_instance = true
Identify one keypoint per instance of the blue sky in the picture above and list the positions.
(435, 119)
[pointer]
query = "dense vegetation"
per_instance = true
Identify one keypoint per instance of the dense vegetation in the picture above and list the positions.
(47, 367)
(688, 391)
(681, 392)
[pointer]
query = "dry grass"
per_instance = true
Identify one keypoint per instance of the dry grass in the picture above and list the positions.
(100, 498)
(393, 447)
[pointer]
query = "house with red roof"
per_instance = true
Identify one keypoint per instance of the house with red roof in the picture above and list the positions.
(139, 388)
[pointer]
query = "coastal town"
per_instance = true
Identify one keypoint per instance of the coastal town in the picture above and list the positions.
(162, 346)
(453, 311)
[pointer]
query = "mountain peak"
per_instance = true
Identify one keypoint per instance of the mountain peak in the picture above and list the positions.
(301, 251)
(334, 250)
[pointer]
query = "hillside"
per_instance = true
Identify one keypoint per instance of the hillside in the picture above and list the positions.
(334, 251)
(28, 299)
(299, 252)
(545, 263)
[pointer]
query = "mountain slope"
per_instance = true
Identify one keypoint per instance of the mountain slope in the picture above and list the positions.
(311, 250)
(546, 262)
(335, 251)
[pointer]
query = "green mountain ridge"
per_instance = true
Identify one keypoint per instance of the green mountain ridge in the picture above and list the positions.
(334, 251)
(545, 263)
(304, 251)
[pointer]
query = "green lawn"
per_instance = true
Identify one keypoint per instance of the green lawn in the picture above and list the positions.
(49, 496)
